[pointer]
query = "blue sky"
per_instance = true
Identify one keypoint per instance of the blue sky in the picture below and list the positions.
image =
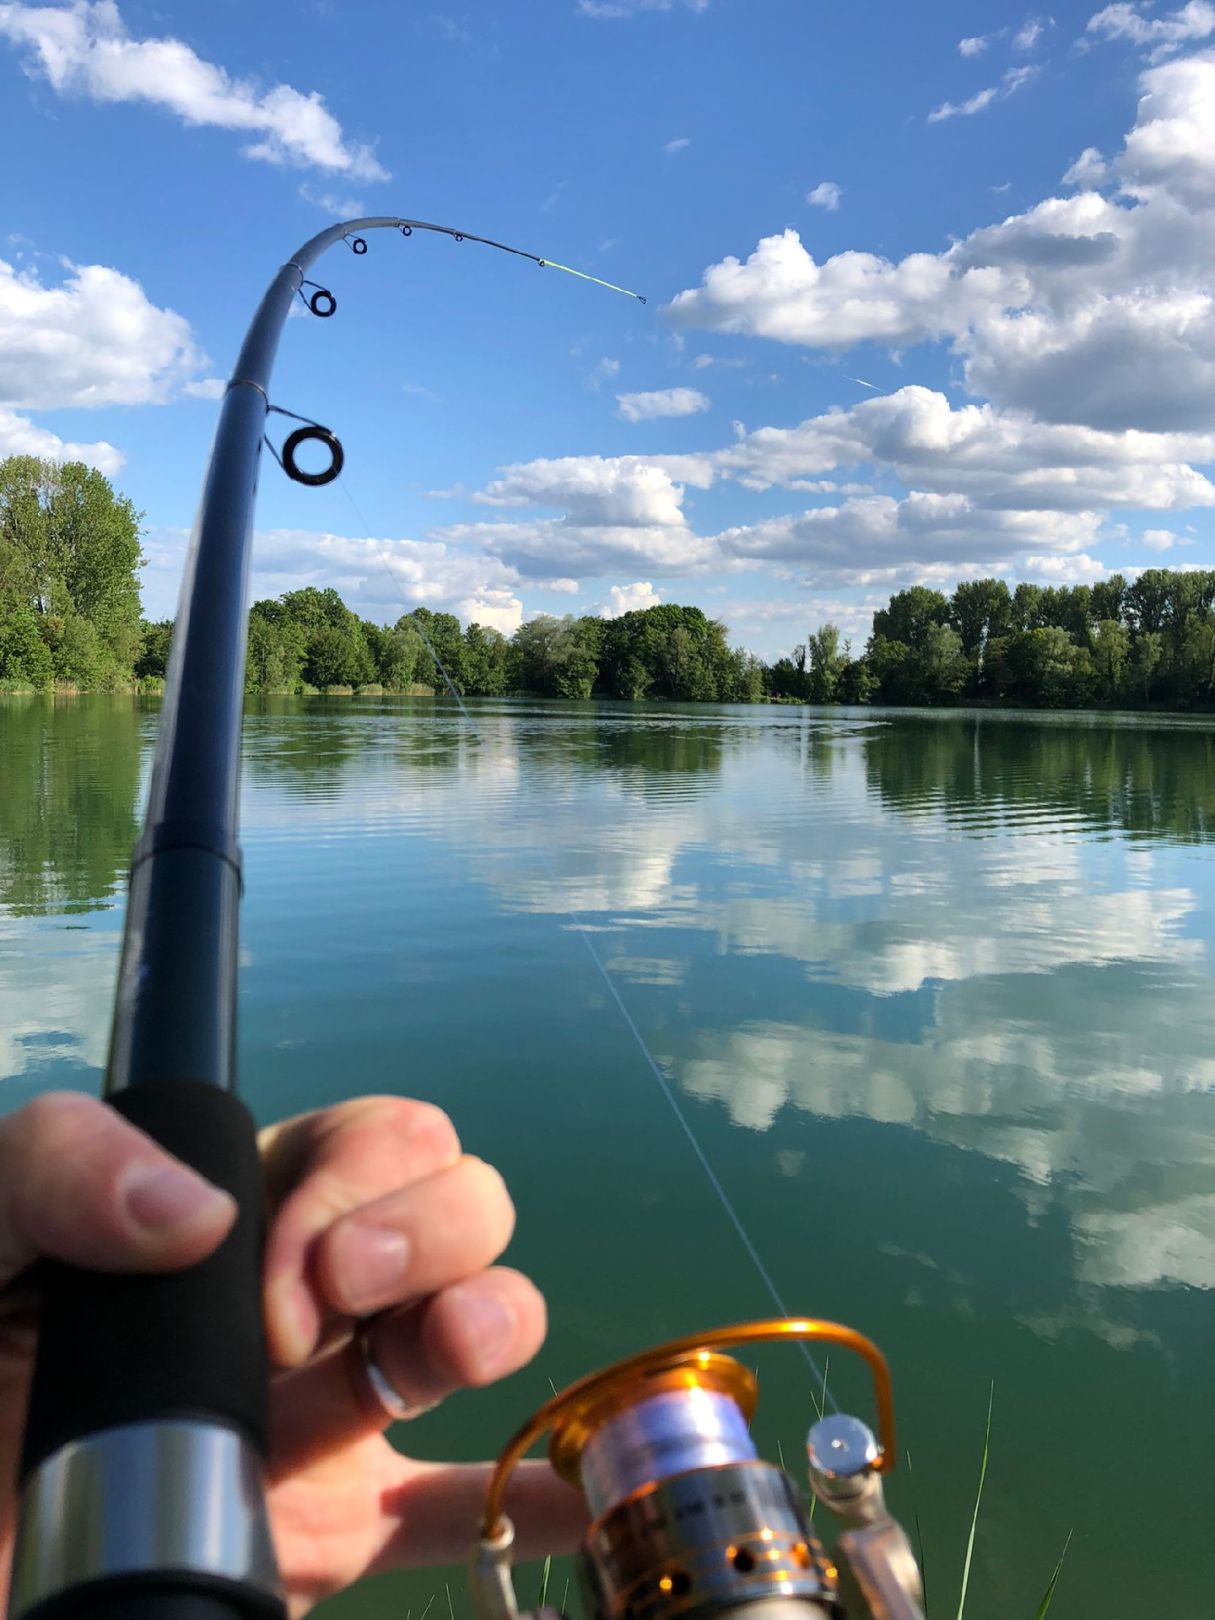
(929, 290)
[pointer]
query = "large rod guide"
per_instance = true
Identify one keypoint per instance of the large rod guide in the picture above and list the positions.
(145, 1442)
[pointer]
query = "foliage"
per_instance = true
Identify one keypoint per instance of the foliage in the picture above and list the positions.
(827, 664)
(1149, 641)
(557, 657)
(69, 595)
(152, 660)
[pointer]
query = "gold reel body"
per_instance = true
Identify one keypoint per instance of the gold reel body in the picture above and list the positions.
(686, 1519)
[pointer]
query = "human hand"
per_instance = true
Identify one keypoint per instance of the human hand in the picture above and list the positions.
(374, 1212)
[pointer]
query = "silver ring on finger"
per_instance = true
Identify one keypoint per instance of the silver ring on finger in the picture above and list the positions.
(383, 1391)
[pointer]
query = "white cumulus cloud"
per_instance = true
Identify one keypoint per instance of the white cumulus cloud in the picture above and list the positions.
(1015, 79)
(1081, 309)
(379, 578)
(615, 9)
(1001, 459)
(646, 407)
(825, 195)
(1089, 169)
(95, 339)
(1159, 35)
(1172, 146)
(1028, 35)
(84, 49)
(629, 598)
(20, 437)
(500, 610)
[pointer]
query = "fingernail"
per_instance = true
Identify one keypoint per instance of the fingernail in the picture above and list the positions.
(490, 1325)
(161, 1197)
(371, 1263)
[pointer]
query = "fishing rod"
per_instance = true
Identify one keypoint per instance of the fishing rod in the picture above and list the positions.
(142, 1473)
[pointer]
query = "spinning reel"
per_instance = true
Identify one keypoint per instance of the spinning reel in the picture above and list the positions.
(686, 1519)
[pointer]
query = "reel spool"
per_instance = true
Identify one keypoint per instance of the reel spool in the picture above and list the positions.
(686, 1519)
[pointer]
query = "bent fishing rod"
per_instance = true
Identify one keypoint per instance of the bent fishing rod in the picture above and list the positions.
(142, 1477)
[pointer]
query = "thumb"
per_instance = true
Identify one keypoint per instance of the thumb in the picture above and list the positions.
(78, 1183)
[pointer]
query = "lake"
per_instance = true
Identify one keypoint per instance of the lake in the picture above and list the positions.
(934, 991)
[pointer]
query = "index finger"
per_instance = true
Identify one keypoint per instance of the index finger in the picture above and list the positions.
(433, 1516)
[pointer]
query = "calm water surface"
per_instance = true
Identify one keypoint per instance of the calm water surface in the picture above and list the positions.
(935, 991)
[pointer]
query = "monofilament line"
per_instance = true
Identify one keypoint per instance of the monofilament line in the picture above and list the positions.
(588, 939)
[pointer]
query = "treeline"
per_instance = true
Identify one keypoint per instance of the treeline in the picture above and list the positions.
(69, 617)
(310, 640)
(1150, 641)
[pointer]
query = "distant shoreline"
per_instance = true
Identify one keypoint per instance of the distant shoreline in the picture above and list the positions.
(993, 706)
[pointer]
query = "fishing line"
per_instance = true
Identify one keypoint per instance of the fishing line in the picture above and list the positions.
(582, 928)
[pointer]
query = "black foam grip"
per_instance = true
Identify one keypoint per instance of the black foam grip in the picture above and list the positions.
(142, 1598)
(115, 1349)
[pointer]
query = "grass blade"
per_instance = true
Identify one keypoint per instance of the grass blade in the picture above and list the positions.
(451, 1611)
(548, 1570)
(974, 1518)
(820, 1401)
(565, 1594)
(919, 1536)
(1049, 1594)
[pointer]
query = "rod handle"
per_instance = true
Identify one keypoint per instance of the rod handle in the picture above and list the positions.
(128, 1364)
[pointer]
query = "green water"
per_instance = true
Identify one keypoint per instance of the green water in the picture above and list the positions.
(934, 990)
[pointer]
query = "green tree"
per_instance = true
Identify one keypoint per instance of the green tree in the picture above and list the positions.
(980, 609)
(910, 615)
(1110, 649)
(77, 653)
(743, 678)
(940, 665)
(1148, 600)
(336, 658)
(1048, 670)
(857, 681)
(442, 638)
(1145, 660)
(557, 657)
(1196, 663)
(154, 644)
(786, 680)
(401, 656)
(276, 650)
(1027, 607)
(827, 664)
(487, 661)
(888, 662)
(25, 658)
(1107, 599)
(69, 551)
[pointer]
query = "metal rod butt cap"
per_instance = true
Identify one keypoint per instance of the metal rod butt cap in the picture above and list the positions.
(174, 1509)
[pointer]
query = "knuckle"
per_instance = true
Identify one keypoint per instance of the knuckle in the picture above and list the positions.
(493, 1197)
(427, 1122)
(57, 1114)
(422, 1125)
